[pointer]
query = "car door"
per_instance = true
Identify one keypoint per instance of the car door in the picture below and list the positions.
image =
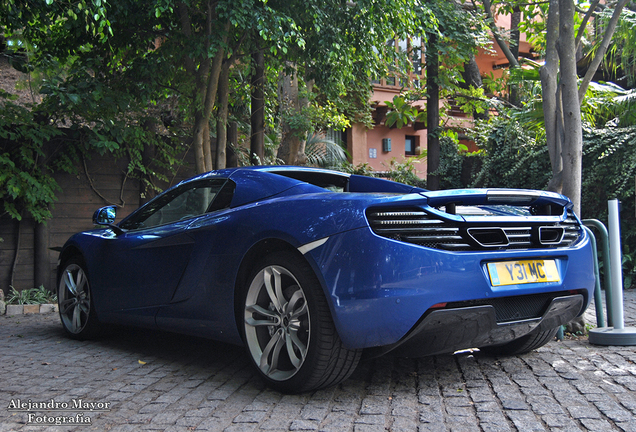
(146, 262)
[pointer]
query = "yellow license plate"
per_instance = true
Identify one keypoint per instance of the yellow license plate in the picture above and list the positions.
(523, 272)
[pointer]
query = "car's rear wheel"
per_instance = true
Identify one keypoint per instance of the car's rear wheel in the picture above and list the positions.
(74, 301)
(524, 344)
(288, 329)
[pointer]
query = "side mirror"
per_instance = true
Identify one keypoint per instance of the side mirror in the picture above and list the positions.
(106, 216)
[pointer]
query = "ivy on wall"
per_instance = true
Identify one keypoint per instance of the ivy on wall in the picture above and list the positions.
(609, 172)
(513, 156)
(32, 150)
(25, 185)
(517, 157)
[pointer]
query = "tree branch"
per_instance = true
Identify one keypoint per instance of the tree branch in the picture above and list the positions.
(17, 249)
(600, 53)
(548, 73)
(92, 185)
(533, 3)
(586, 18)
(514, 62)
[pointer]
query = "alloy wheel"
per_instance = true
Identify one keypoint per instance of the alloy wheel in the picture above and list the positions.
(74, 299)
(277, 323)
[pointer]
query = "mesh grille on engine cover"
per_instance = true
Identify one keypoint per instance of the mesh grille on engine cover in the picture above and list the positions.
(418, 227)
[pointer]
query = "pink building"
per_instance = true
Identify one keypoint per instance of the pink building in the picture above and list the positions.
(381, 144)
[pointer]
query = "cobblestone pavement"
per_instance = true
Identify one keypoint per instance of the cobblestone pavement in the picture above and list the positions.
(139, 380)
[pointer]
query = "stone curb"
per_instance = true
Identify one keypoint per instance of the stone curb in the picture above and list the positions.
(11, 309)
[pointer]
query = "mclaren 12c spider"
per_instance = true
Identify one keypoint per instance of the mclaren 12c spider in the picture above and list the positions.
(310, 268)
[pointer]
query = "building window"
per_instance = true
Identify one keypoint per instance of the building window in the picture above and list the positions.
(410, 144)
(413, 49)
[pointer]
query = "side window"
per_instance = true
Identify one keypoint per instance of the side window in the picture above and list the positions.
(188, 201)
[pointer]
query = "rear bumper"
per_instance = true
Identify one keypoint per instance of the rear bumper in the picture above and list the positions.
(380, 290)
(449, 330)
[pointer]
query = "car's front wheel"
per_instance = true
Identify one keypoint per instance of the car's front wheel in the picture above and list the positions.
(74, 301)
(288, 330)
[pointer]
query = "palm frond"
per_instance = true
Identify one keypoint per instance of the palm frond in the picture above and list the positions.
(324, 152)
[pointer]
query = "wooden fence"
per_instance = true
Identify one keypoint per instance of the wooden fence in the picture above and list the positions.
(102, 183)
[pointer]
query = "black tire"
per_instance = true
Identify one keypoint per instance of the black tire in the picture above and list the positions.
(524, 344)
(287, 327)
(75, 302)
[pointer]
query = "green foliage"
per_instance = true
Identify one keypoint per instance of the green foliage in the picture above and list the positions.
(609, 169)
(26, 175)
(31, 296)
(450, 168)
(361, 169)
(402, 113)
(606, 102)
(405, 171)
(628, 265)
(316, 117)
(271, 147)
(609, 161)
(472, 101)
(534, 20)
(513, 157)
(460, 32)
(324, 152)
(620, 59)
(24, 185)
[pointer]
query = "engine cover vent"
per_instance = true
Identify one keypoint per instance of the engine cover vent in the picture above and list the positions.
(414, 225)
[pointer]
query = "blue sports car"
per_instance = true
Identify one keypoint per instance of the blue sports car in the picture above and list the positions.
(311, 268)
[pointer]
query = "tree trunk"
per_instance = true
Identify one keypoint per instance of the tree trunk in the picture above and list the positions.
(301, 157)
(18, 241)
(221, 122)
(257, 118)
(515, 39)
(232, 138)
(206, 79)
(205, 91)
(146, 193)
(472, 77)
(432, 112)
(572, 151)
(290, 106)
(552, 119)
(572, 128)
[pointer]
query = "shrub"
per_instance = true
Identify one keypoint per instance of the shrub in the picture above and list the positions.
(31, 296)
(513, 157)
